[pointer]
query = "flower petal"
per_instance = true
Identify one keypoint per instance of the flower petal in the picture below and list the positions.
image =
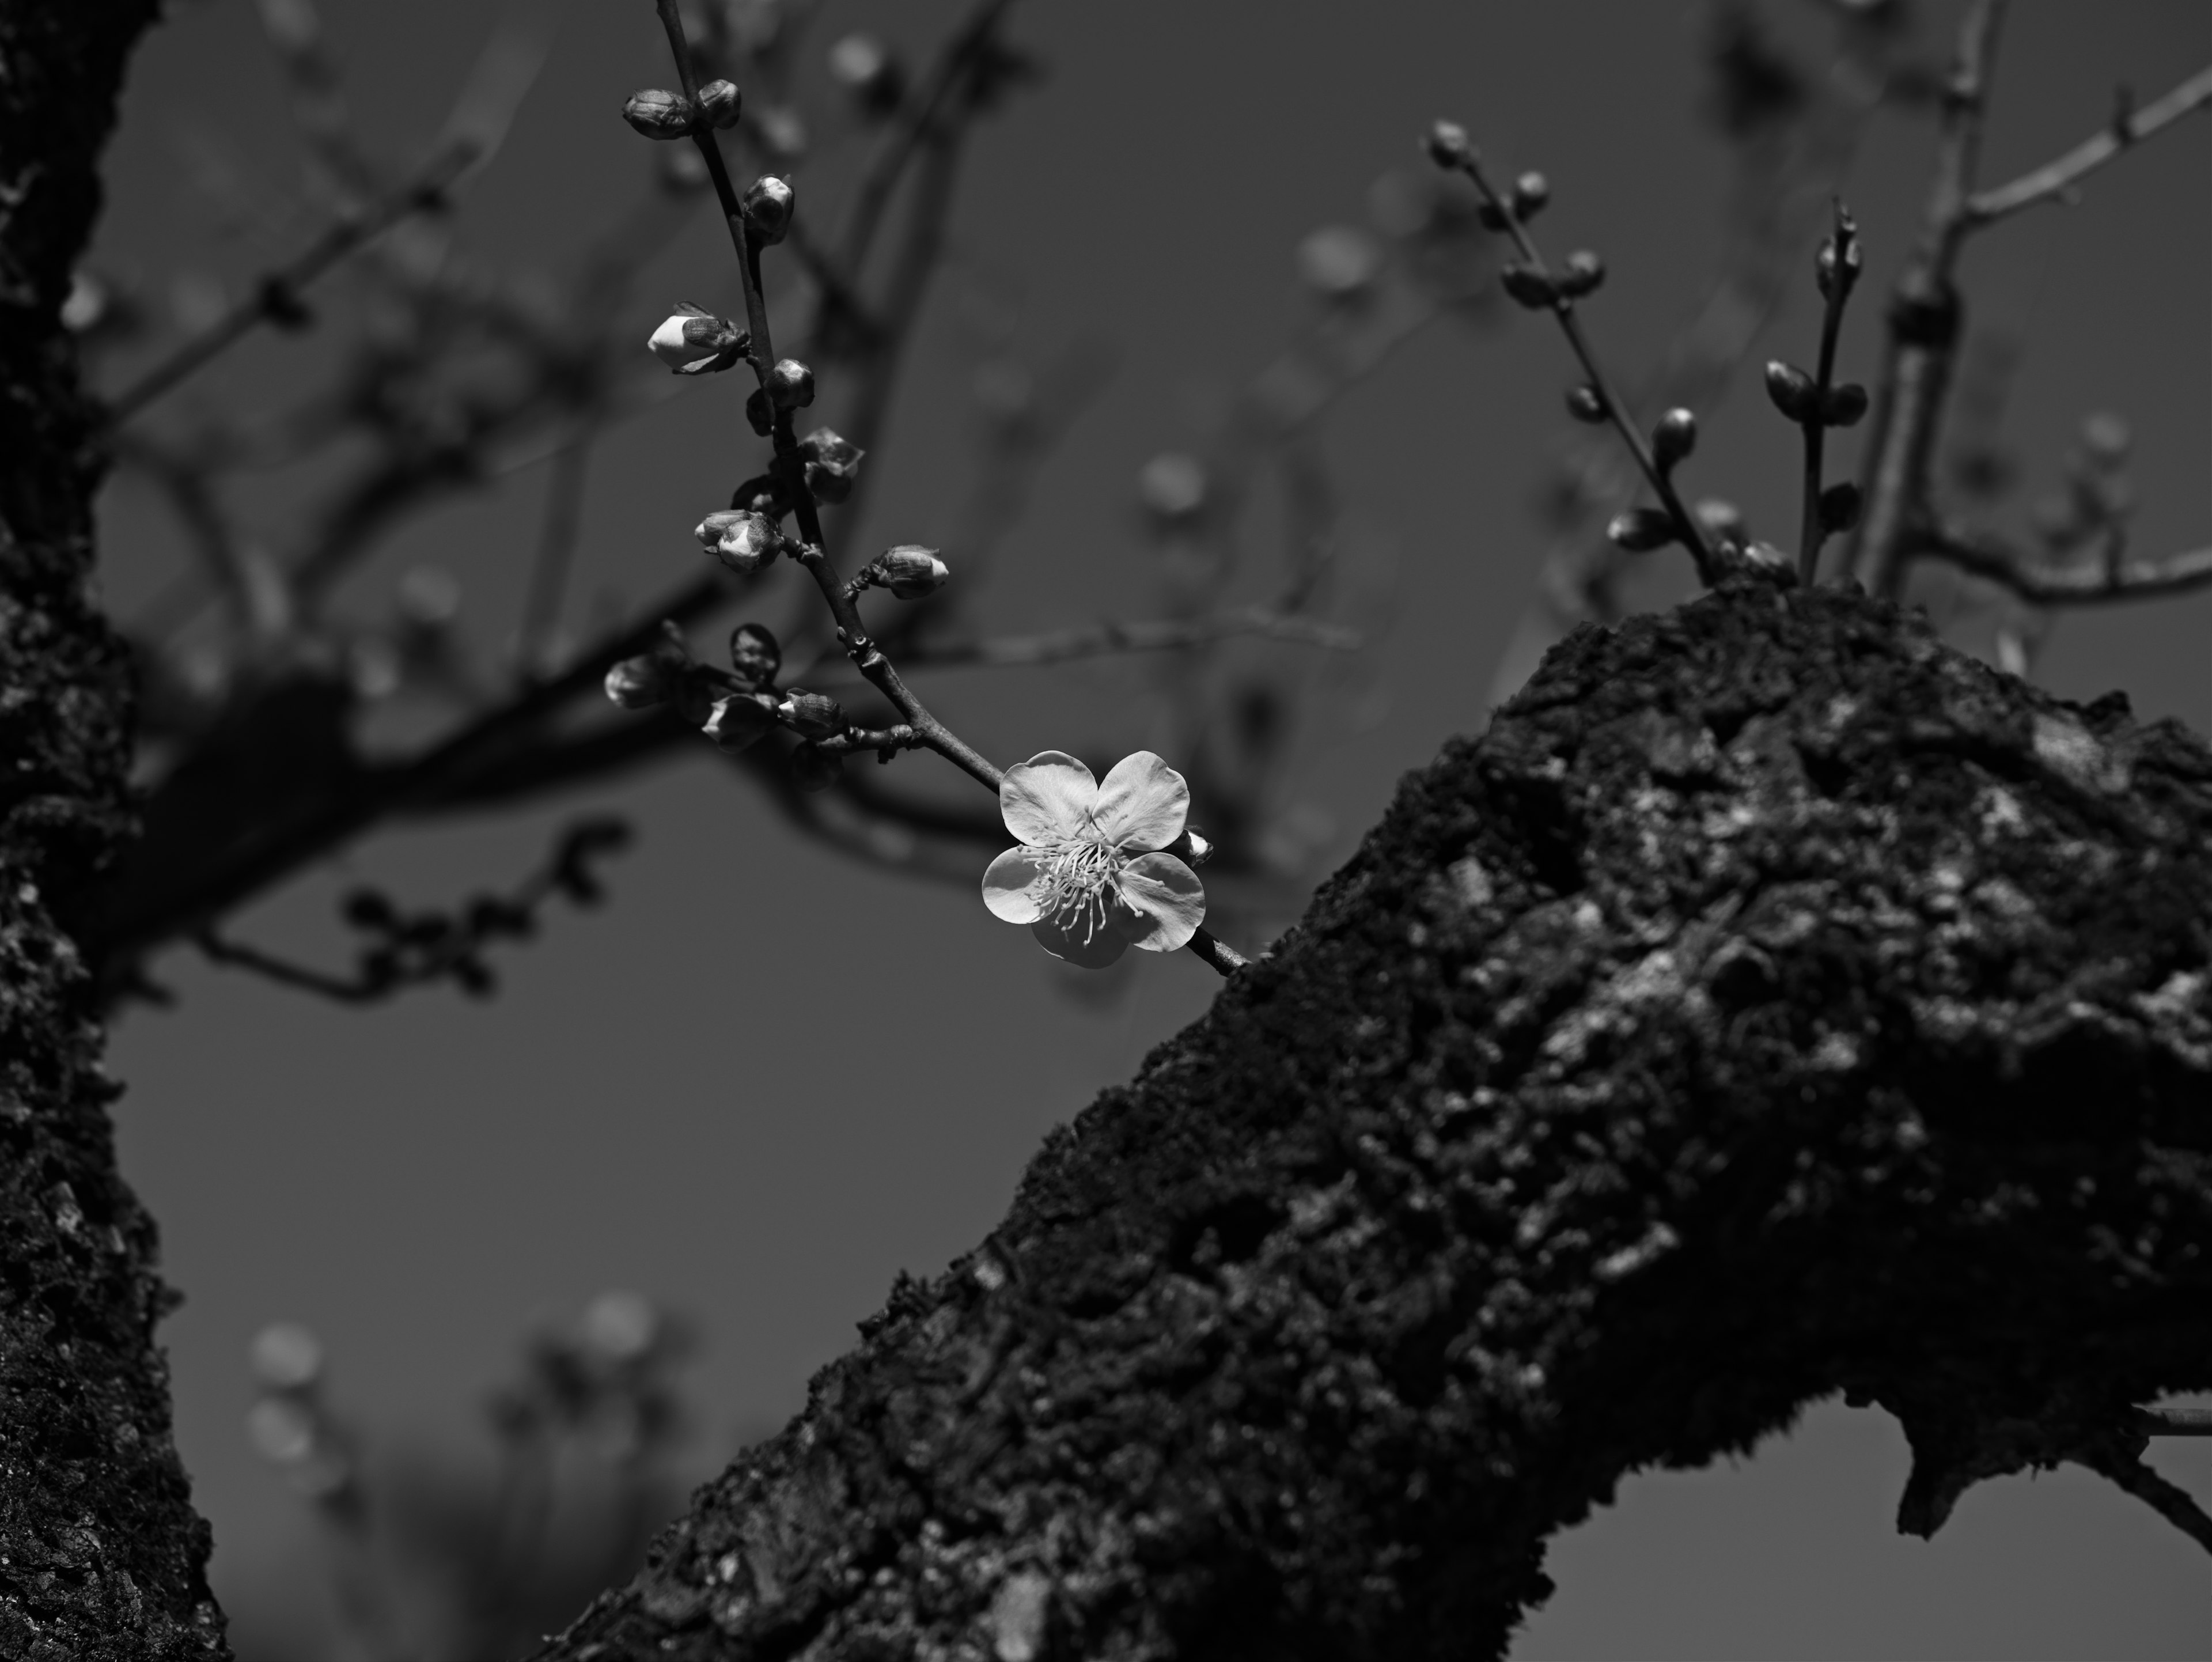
(1166, 903)
(1142, 803)
(1046, 800)
(1013, 884)
(1088, 947)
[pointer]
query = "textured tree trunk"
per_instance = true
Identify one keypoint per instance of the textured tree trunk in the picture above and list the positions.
(101, 1554)
(1773, 1001)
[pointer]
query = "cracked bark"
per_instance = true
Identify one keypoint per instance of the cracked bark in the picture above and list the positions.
(101, 1554)
(1773, 1001)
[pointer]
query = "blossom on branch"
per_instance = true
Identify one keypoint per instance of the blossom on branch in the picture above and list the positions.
(692, 342)
(1090, 879)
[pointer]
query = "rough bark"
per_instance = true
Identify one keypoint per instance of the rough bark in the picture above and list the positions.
(1772, 1002)
(101, 1554)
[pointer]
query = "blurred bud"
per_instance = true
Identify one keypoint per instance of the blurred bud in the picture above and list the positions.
(643, 682)
(1447, 144)
(1834, 262)
(782, 134)
(286, 1357)
(692, 697)
(1531, 192)
(281, 1429)
(1839, 507)
(1768, 555)
(2107, 439)
(1339, 263)
(762, 494)
(833, 464)
(1790, 388)
(683, 171)
(1582, 273)
(95, 307)
(1194, 848)
(1172, 487)
(741, 721)
(659, 113)
(811, 714)
(791, 385)
(911, 571)
(1640, 530)
(813, 768)
(692, 342)
(1722, 520)
(620, 1328)
(720, 104)
(767, 205)
(744, 541)
(427, 598)
(1673, 439)
(1586, 405)
(1845, 405)
(1525, 284)
(865, 68)
(760, 415)
(755, 654)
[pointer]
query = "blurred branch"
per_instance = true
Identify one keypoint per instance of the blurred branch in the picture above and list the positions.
(1151, 635)
(2055, 180)
(2109, 576)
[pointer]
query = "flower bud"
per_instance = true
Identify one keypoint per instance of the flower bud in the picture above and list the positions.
(1790, 388)
(911, 571)
(782, 133)
(791, 385)
(1447, 144)
(692, 342)
(1640, 530)
(719, 103)
(811, 714)
(759, 414)
(755, 654)
(1673, 438)
(1586, 405)
(1339, 263)
(744, 541)
(1582, 273)
(1839, 507)
(813, 768)
(833, 464)
(659, 113)
(1527, 285)
(643, 682)
(1194, 848)
(864, 66)
(767, 205)
(1531, 192)
(1172, 486)
(1844, 405)
(1831, 264)
(1721, 519)
(741, 721)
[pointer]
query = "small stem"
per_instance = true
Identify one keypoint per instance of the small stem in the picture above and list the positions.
(2051, 182)
(1563, 307)
(1841, 277)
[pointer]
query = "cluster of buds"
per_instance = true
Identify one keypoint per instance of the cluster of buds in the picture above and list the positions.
(692, 342)
(741, 539)
(1797, 397)
(1535, 288)
(865, 68)
(744, 716)
(910, 571)
(666, 675)
(659, 113)
(833, 464)
(289, 1423)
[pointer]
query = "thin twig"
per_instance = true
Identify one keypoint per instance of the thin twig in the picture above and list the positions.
(2086, 584)
(1842, 271)
(2053, 180)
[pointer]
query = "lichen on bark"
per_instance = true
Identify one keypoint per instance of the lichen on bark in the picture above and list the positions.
(101, 1554)
(1772, 1002)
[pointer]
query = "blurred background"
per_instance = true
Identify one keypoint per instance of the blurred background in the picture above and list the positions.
(538, 1261)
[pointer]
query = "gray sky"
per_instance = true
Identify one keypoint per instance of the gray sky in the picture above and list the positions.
(669, 1094)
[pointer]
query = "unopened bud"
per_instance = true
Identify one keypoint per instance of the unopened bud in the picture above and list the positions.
(1831, 264)
(864, 66)
(1790, 388)
(744, 541)
(1527, 285)
(1582, 274)
(759, 414)
(1172, 487)
(1194, 848)
(692, 342)
(1721, 518)
(1640, 530)
(659, 113)
(813, 768)
(782, 133)
(1447, 144)
(1673, 438)
(763, 493)
(1530, 194)
(833, 464)
(1844, 405)
(2107, 439)
(741, 721)
(1839, 507)
(911, 571)
(791, 385)
(719, 103)
(286, 1357)
(641, 683)
(755, 654)
(767, 205)
(811, 714)
(1586, 405)
(1339, 262)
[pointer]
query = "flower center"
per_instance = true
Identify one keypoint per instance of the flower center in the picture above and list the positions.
(1081, 874)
